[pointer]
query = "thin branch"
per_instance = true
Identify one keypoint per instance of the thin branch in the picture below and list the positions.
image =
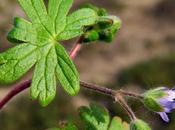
(76, 48)
(130, 94)
(117, 95)
(107, 91)
(16, 90)
(125, 106)
(98, 89)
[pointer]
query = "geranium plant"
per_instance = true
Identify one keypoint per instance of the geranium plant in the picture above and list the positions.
(38, 44)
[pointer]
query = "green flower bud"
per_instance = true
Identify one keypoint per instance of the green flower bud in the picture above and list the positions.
(160, 100)
(139, 125)
(91, 36)
(105, 28)
(108, 34)
(105, 22)
(151, 99)
(152, 104)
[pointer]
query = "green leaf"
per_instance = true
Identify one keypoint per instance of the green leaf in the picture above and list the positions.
(117, 124)
(58, 10)
(21, 31)
(66, 72)
(36, 11)
(16, 61)
(40, 45)
(75, 23)
(139, 125)
(94, 117)
(44, 79)
(25, 32)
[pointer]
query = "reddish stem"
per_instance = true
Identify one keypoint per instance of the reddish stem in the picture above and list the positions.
(74, 51)
(17, 89)
(76, 48)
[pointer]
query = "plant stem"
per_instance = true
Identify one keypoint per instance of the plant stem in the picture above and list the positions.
(125, 106)
(99, 89)
(16, 90)
(76, 48)
(117, 95)
(130, 94)
(109, 92)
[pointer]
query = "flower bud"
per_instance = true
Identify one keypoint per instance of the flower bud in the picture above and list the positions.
(91, 36)
(151, 99)
(107, 34)
(160, 100)
(105, 28)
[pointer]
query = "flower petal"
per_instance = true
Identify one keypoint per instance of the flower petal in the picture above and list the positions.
(164, 116)
(171, 95)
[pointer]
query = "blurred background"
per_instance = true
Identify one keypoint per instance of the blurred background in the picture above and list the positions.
(141, 57)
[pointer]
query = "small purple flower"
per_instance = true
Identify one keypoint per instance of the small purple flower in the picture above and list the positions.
(167, 102)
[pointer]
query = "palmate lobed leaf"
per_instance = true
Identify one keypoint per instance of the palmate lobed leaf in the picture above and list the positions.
(16, 61)
(94, 117)
(118, 124)
(75, 21)
(40, 47)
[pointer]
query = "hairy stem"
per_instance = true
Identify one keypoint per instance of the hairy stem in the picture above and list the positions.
(125, 106)
(98, 89)
(130, 94)
(117, 95)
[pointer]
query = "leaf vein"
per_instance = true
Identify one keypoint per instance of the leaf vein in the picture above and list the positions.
(40, 18)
